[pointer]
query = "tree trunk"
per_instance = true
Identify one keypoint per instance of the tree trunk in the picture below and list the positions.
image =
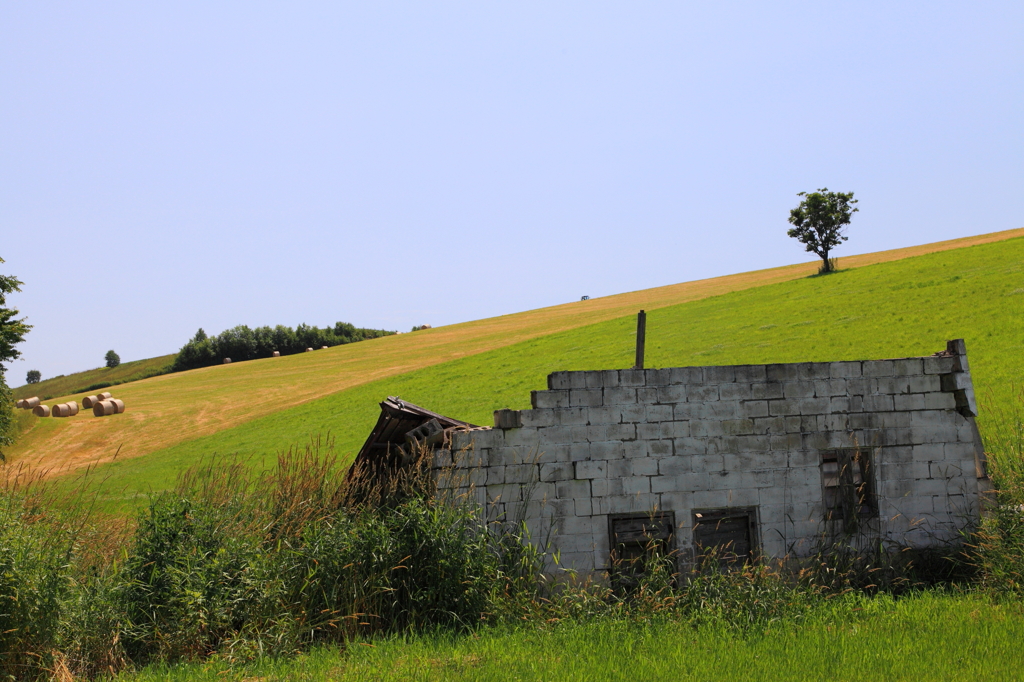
(827, 264)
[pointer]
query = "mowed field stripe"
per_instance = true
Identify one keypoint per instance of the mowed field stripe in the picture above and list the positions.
(171, 409)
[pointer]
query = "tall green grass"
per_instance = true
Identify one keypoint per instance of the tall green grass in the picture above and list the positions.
(929, 636)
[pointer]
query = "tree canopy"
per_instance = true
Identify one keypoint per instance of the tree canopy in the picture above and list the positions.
(12, 332)
(819, 220)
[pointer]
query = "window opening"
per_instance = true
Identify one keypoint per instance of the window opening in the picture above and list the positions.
(729, 534)
(637, 540)
(847, 480)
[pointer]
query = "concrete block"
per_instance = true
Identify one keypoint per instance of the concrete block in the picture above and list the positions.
(636, 485)
(580, 451)
(620, 468)
(939, 401)
(587, 397)
(505, 493)
(751, 373)
(752, 409)
(536, 418)
(605, 487)
(522, 473)
(607, 432)
(924, 384)
(860, 386)
(673, 393)
(582, 527)
(680, 502)
(584, 507)
(645, 466)
(710, 499)
(636, 414)
(809, 406)
(632, 377)
(624, 504)
(878, 368)
(908, 366)
(935, 365)
(647, 395)
(782, 408)
(794, 423)
(573, 416)
(736, 391)
(878, 403)
(798, 389)
(494, 475)
(702, 393)
(767, 391)
(549, 399)
(809, 371)
(726, 409)
(843, 370)
(785, 442)
(556, 471)
(621, 395)
(657, 377)
(689, 446)
(572, 489)
(769, 425)
(780, 372)
(707, 463)
(597, 379)
(592, 469)
(660, 448)
(610, 450)
(909, 401)
(687, 375)
(719, 375)
(648, 431)
(736, 427)
(610, 414)
(559, 380)
(674, 466)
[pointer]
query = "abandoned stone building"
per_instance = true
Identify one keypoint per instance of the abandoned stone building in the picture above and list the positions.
(750, 459)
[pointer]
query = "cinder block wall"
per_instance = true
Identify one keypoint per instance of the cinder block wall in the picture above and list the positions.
(698, 438)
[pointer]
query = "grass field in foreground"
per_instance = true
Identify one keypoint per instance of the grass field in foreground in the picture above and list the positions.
(930, 636)
(902, 308)
(176, 408)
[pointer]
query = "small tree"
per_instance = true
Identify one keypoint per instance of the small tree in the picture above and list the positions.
(819, 221)
(113, 359)
(33, 376)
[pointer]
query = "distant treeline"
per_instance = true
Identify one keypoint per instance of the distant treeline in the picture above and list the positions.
(243, 343)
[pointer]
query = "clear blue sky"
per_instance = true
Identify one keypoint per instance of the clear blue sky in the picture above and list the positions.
(169, 166)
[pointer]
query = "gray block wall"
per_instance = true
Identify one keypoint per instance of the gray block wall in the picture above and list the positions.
(698, 438)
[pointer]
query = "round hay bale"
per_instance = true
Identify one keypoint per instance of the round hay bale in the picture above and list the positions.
(74, 407)
(103, 408)
(20, 404)
(61, 410)
(309, 350)
(118, 405)
(323, 347)
(41, 410)
(31, 403)
(276, 354)
(90, 400)
(227, 361)
(104, 396)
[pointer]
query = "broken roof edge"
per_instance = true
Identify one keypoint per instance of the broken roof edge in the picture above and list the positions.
(397, 418)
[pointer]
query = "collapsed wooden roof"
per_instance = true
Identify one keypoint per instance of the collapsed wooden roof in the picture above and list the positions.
(401, 425)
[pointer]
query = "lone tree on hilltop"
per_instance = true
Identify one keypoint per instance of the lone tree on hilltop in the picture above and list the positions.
(112, 358)
(33, 376)
(819, 220)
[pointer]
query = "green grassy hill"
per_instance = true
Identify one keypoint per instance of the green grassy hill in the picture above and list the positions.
(901, 308)
(97, 379)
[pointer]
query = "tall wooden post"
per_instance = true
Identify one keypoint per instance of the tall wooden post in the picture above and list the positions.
(641, 334)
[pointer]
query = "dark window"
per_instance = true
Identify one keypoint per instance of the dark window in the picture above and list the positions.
(847, 482)
(729, 534)
(635, 541)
